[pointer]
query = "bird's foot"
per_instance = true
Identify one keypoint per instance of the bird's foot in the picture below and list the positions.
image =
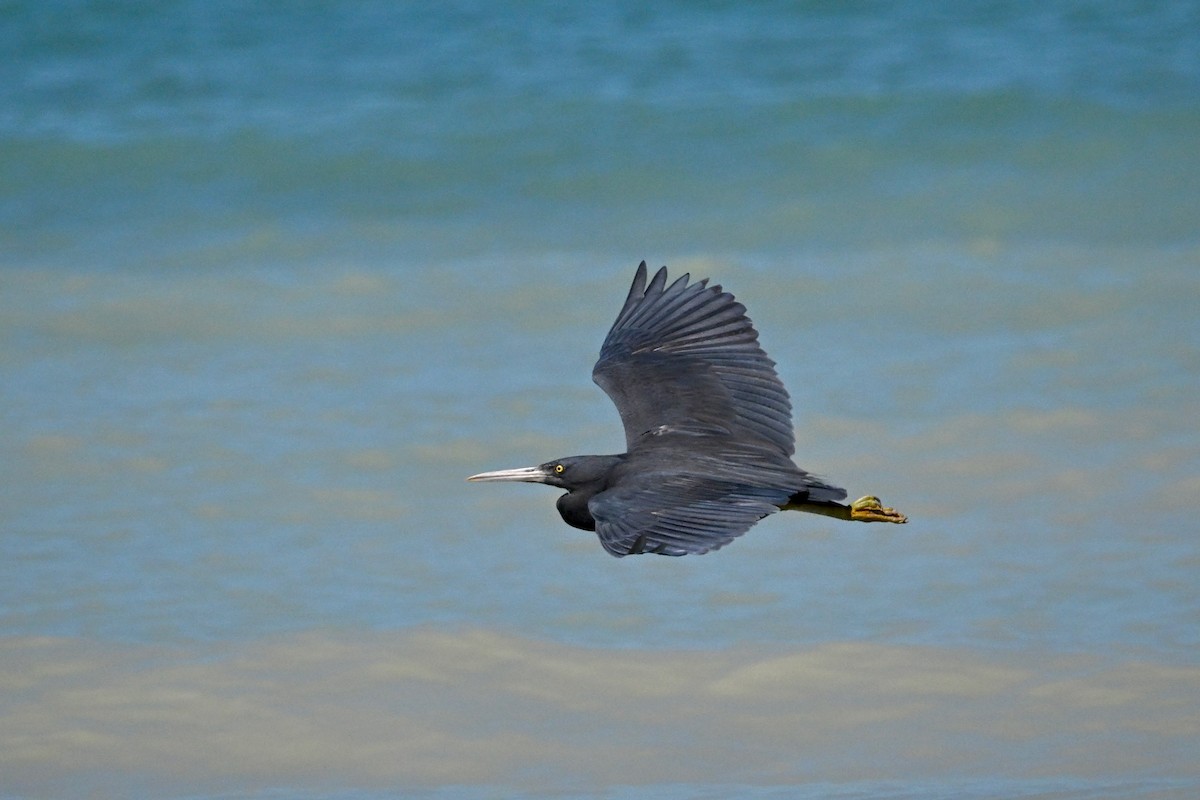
(869, 509)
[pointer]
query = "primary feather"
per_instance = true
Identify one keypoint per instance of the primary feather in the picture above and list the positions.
(685, 357)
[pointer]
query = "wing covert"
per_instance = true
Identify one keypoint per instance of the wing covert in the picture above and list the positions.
(685, 358)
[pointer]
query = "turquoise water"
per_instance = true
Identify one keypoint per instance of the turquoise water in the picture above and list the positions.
(275, 279)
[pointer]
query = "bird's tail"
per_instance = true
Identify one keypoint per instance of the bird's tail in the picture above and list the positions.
(815, 490)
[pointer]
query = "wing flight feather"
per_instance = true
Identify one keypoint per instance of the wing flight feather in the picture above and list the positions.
(685, 357)
(679, 517)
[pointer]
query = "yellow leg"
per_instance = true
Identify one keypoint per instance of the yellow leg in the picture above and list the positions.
(864, 509)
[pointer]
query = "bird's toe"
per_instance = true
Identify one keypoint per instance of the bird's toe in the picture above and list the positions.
(870, 509)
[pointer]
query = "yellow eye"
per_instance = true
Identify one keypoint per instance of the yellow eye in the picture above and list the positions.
(558, 468)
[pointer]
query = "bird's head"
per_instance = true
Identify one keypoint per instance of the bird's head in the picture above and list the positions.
(570, 473)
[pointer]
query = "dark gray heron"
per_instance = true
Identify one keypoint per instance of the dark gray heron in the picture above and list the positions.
(708, 427)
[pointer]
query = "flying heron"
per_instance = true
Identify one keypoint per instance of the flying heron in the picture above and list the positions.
(708, 427)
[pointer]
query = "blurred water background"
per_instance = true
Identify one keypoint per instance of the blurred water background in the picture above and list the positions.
(274, 278)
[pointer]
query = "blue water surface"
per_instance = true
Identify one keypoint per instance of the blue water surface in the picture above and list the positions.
(274, 278)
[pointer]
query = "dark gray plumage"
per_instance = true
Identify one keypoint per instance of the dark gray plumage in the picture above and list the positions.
(708, 431)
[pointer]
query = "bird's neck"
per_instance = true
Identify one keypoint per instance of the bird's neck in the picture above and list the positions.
(573, 506)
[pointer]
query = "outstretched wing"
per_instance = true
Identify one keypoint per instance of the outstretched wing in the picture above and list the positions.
(684, 358)
(674, 515)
